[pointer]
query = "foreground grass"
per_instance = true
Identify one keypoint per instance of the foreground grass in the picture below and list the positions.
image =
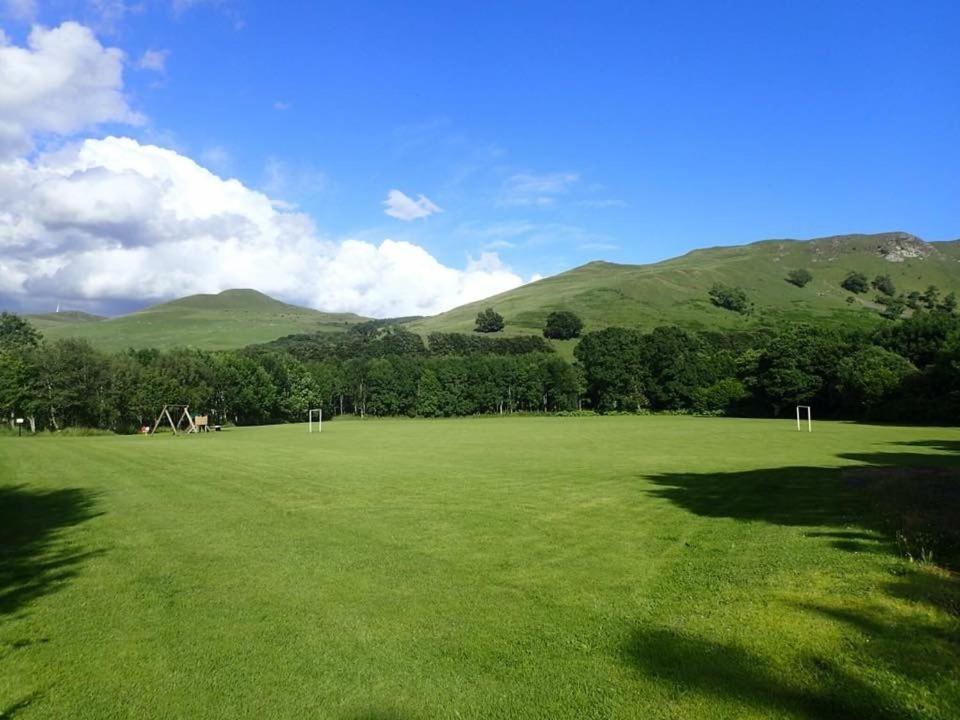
(531, 567)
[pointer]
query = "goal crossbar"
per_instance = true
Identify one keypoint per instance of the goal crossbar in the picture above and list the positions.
(809, 417)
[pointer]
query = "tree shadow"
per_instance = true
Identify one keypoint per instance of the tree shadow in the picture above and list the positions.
(34, 561)
(868, 507)
(726, 672)
(22, 704)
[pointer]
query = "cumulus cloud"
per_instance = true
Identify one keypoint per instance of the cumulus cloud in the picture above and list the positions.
(404, 207)
(113, 219)
(63, 81)
(113, 222)
(155, 60)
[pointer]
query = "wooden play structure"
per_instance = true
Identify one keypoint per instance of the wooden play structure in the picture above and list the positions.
(183, 413)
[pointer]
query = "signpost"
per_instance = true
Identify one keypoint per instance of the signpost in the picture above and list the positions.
(19, 427)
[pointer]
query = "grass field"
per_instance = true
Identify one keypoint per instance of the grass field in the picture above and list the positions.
(619, 567)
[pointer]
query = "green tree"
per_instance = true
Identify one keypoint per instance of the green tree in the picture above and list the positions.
(855, 282)
(799, 277)
(798, 365)
(930, 297)
(19, 342)
(949, 303)
(729, 298)
(614, 368)
(884, 284)
(17, 334)
(489, 321)
(893, 308)
(871, 374)
(562, 325)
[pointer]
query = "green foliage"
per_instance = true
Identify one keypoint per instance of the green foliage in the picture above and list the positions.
(893, 308)
(462, 344)
(17, 335)
(870, 375)
(949, 303)
(919, 338)
(884, 284)
(382, 369)
(488, 321)
(855, 282)
(722, 397)
(797, 366)
(799, 277)
(616, 374)
(562, 325)
(930, 297)
(729, 298)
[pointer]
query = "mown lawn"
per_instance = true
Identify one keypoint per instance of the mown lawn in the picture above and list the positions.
(621, 567)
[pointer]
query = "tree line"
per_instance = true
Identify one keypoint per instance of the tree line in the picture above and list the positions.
(906, 370)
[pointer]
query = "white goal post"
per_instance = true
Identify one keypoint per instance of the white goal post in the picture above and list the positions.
(809, 417)
(319, 414)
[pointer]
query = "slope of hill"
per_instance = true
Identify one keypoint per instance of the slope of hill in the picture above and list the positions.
(676, 291)
(46, 321)
(230, 319)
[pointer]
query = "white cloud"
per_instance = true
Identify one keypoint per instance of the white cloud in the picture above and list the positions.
(281, 106)
(155, 60)
(62, 82)
(531, 189)
(403, 207)
(114, 220)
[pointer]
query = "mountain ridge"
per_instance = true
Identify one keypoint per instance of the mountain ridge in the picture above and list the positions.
(603, 293)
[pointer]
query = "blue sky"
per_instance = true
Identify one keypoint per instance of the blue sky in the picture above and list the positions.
(554, 133)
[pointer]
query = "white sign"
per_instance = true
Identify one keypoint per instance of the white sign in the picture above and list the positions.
(19, 421)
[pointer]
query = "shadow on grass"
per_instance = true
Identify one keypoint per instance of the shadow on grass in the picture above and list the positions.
(729, 673)
(890, 503)
(33, 559)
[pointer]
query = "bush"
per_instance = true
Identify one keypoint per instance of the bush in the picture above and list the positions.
(562, 325)
(799, 277)
(721, 397)
(884, 284)
(729, 298)
(855, 282)
(489, 321)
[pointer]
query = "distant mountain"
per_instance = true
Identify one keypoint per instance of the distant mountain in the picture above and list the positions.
(230, 319)
(676, 291)
(603, 294)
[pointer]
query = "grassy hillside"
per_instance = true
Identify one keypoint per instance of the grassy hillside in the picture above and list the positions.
(675, 291)
(231, 319)
(46, 321)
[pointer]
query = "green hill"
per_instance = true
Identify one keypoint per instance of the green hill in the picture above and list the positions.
(230, 319)
(45, 321)
(676, 291)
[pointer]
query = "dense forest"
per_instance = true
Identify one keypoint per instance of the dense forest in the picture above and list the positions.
(907, 370)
